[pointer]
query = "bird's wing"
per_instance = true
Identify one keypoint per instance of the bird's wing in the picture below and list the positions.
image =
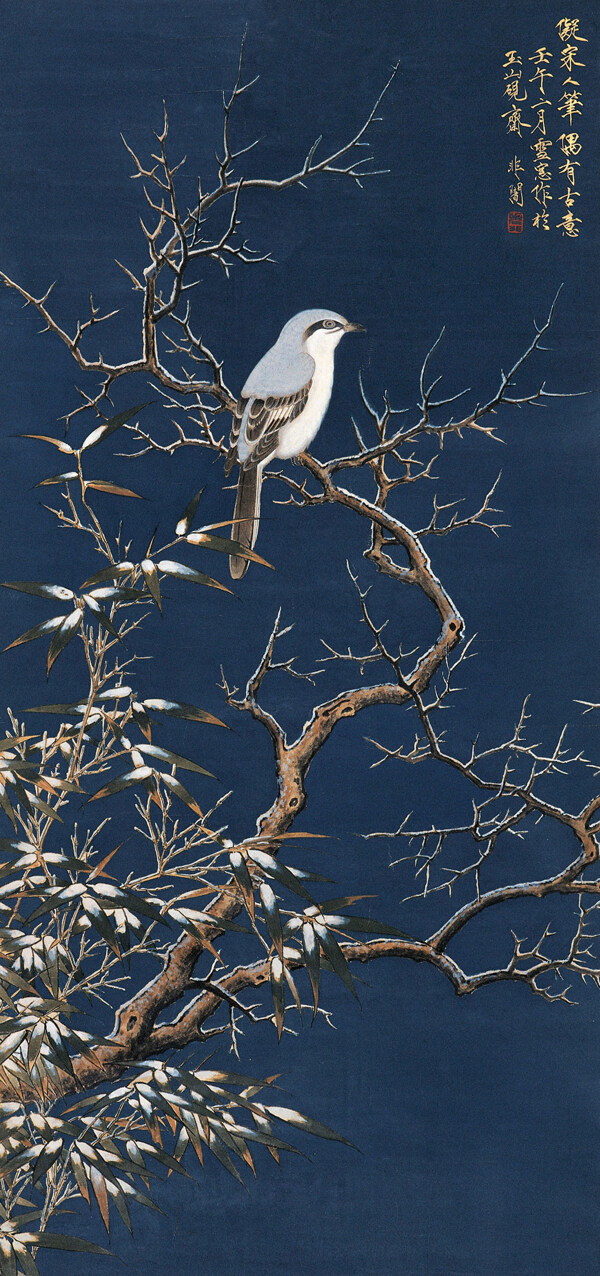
(238, 416)
(259, 421)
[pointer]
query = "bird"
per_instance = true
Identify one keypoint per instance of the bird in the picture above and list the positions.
(280, 411)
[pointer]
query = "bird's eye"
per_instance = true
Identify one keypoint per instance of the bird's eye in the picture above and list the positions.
(329, 323)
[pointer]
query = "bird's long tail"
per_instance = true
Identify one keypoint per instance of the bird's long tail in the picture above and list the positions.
(247, 511)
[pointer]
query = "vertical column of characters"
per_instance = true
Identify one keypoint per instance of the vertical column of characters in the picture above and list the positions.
(570, 106)
(540, 145)
(516, 94)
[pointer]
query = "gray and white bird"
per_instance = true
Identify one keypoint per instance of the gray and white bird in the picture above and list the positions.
(280, 410)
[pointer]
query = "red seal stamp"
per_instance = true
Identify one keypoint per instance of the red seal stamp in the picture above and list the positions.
(514, 223)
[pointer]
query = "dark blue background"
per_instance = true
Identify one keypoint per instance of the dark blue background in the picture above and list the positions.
(477, 1119)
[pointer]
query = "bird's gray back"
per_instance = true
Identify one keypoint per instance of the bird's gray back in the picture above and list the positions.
(287, 366)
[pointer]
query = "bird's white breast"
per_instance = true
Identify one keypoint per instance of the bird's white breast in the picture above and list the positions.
(299, 434)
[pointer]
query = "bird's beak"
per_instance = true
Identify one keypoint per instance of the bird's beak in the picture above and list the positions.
(354, 327)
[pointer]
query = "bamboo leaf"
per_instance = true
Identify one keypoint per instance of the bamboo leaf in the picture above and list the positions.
(68, 477)
(165, 1159)
(272, 918)
(279, 871)
(59, 1049)
(239, 869)
(214, 527)
(22, 1158)
(335, 956)
(10, 740)
(179, 570)
(12, 1042)
(261, 1136)
(35, 1043)
(11, 977)
(101, 1194)
(103, 863)
(108, 427)
(181, 1144)
(109, 573)
(215, 1075)
(8, 1258)
(142, 719)
(266, 1128)
(116, 594)
(216, 1147)
(122, 782)
(104, 620)
(342, 901)
(118, 1199)
(174, 759)
(54, 784)
(188, 514)
(292, 987)
(42, 591)
(27, 1263)
(56, 1240)
(312, 960)
(8, 845)
(176, 709)
(100, 923)
(226, 546)
(277, 992)
(102, 485)
(67, 710)
(56, 897)
(300, 1122)
(44, 808)
(194, 917)
(63, 636)
(181, 792)
(7, 807)
(47, 1158)
(140, 1197)
(115, 693)
(150, 575)
(121, 898)
(47, 438)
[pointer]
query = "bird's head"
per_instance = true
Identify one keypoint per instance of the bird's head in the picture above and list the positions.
(319, 331)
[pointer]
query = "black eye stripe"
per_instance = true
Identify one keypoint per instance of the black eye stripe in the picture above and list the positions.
(328, 324)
